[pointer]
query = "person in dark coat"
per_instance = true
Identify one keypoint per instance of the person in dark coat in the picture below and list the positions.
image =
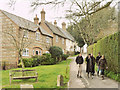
(97, 60)
(79, 61)
(93, 64)
(102, 62)
(89, 66)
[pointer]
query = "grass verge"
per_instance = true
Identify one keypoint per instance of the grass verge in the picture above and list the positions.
(47, 76)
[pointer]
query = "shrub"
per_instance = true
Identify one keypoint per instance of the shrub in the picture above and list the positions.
(46, 59)
(36, 59)
(55, 52)
(107, 46)
(65, 56)
(28, 62)
(112, 75)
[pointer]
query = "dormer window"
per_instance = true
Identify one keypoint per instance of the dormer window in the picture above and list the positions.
(25, 33)
(37, 36)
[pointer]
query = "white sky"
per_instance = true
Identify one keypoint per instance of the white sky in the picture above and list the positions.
(22, 8)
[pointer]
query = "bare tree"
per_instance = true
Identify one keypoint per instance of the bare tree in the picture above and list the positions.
(19, 40)
(79, 9)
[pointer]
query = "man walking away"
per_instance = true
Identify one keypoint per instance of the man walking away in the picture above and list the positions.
(102, 62)
(79, 60)
(97, 60)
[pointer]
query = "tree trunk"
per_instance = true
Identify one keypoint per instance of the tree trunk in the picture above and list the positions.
(21, 59)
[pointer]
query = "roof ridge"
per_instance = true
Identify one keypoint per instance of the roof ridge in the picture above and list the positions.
(24, 23)
(18, 16)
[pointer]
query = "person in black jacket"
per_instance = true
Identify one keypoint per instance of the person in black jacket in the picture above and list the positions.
(79, 61)
(93, 64)
(97, 60)
(89, 66)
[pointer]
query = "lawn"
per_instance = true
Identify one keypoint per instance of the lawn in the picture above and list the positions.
(47, 76)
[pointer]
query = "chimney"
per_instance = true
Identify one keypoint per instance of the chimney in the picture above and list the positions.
(55, 23)
(36, 20)
(42, 15)
(64, 26)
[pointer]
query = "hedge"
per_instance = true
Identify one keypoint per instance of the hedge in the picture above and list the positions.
(45, 59)
(107, 46)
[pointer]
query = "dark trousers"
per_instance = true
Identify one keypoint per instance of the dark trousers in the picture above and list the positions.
(102, 71)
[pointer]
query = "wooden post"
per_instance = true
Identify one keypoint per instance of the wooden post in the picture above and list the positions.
(36, 77)
(10, 76)
(60, 80)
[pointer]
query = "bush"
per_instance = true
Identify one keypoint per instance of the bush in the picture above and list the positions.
(65, 56)
(112, 75)
(46, 59)
(107, 46)
(55, 52)
(28, 62)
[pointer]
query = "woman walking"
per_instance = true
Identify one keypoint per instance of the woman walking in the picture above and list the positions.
(102, 63)
(89, 65)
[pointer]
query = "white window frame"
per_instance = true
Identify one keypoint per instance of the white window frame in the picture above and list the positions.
(26, 53)
(56, 38)
(25, 33)
(37, 37)
(63, 40)
(33, 52)
(40, 52)
(47, 40)
(63, 51)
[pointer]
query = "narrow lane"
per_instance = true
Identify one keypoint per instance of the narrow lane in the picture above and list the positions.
(86, 82)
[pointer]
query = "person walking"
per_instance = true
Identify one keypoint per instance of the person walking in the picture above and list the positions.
(89, 66)
(79, 61)
(103, 63)
(97, 60)
(93, 64)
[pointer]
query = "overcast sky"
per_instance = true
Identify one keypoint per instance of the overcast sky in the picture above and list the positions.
(22, 8)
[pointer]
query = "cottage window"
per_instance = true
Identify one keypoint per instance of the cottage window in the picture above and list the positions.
(47, 40)
(25, 33)
(40, 52)
(63, 51)
(33, 52)
(56, 38)
(62, 40)
(37, 36)
(25, 52)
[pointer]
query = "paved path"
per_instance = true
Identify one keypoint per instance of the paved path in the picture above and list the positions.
(85, 82)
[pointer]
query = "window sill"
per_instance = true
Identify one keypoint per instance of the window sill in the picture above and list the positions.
(25, 55)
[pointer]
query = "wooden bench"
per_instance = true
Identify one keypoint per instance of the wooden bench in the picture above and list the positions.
(23, 74)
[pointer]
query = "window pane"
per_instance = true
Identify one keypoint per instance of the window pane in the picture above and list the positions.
(27, 52)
